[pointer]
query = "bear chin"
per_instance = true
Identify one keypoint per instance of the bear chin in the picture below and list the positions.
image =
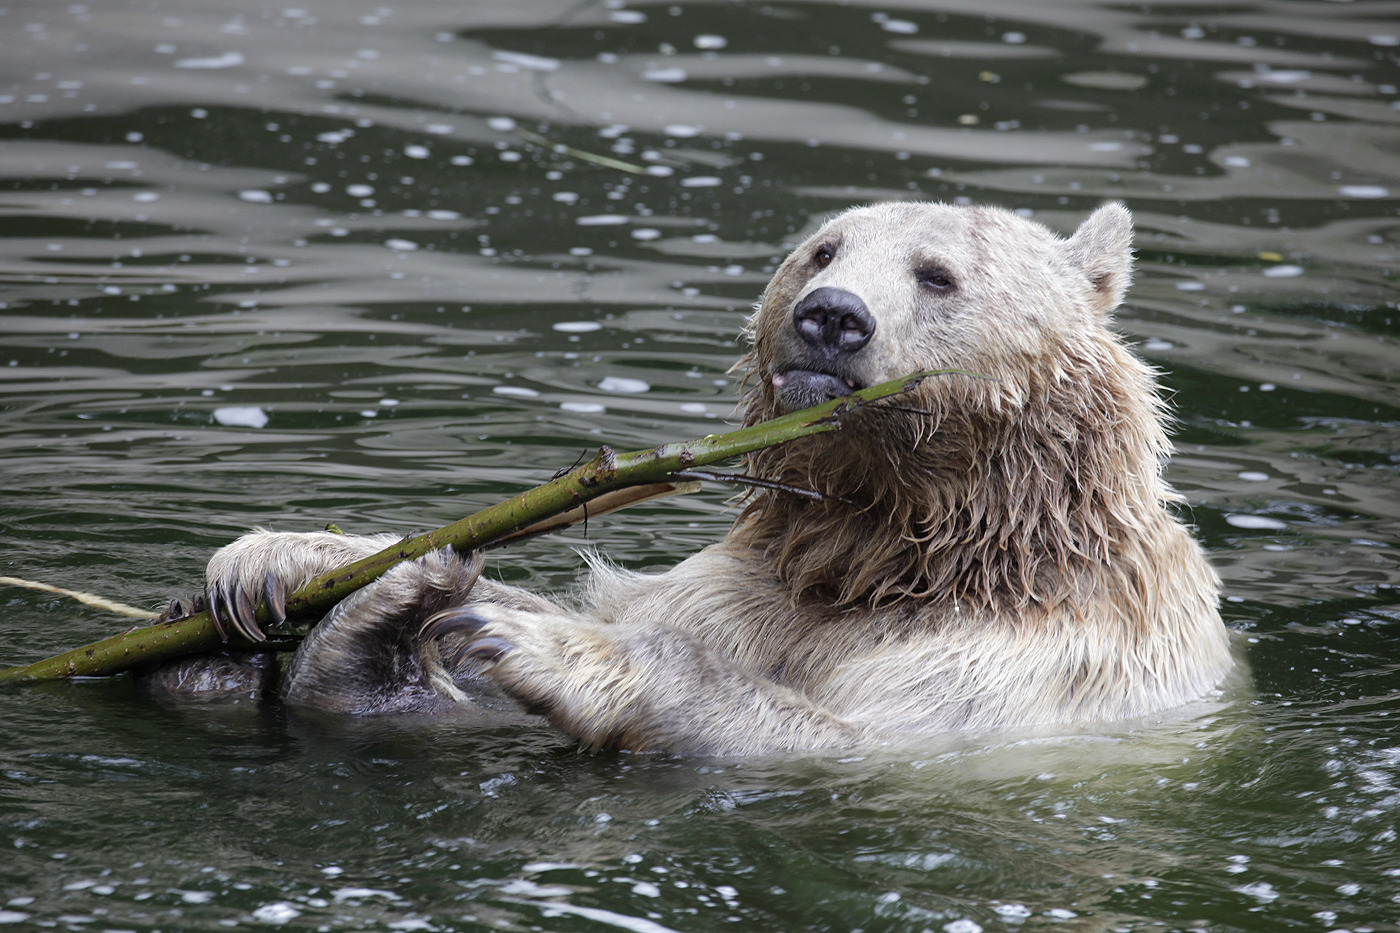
(803, 388)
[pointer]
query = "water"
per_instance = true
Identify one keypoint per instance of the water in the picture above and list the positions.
(379, 265)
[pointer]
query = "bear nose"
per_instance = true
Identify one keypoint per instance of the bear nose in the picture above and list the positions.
(833, 319)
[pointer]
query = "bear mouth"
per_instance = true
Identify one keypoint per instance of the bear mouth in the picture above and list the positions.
(803, 388)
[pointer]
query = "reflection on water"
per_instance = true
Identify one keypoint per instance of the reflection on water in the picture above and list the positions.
(382, 264)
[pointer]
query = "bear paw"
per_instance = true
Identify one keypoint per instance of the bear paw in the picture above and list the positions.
(587, 678)
(265, 566)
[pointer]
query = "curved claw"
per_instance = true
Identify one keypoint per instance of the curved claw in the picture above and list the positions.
(214, 614)
(462, 620)
(466, 621)
(487, 647)
(275, 597)
(244, 615)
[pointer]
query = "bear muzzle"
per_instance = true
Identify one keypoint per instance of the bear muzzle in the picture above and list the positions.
(832, 326)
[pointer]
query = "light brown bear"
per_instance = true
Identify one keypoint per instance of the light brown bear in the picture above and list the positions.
(992, 553)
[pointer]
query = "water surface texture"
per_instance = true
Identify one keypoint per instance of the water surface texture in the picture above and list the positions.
(384, 263)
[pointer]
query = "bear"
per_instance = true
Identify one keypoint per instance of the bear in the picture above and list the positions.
(995, 551)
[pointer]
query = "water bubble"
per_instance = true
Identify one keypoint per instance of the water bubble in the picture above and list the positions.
(255, 196)
(665, 75)
(1285, 75)
(1283, 272)
(277, 913)
(501, 124)
(515, 391)
(1253, 476)
(416, 152)
(359, 191)
(1255, 522)
(1261, 891)
(710, 42)
(576, 327)
(622, 384)
(528, 62)
(240, 416)
(584, 408)
(901, 27)
(226, 60)
(1363, 191)
(405, 246)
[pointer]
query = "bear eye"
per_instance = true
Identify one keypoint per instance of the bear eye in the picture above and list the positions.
(936, 278)
(823, 256)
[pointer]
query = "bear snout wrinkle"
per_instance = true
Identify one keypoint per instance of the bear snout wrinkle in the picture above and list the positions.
(833, 321)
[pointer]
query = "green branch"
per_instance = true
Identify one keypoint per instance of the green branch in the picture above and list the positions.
(530, 512)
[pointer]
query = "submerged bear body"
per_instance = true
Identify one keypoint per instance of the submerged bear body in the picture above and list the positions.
(994, 551)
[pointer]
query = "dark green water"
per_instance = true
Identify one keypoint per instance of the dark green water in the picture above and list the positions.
(265, 264)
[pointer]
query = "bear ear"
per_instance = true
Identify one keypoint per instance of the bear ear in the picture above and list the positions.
(1103, 248)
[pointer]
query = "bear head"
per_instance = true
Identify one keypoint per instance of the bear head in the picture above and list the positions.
(879, 292)
(998, 489)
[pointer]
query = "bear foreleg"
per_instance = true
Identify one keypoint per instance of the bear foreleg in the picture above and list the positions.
(636, 687)
(366, 655)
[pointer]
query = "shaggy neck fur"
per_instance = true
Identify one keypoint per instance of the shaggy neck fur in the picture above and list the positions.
(980, 500)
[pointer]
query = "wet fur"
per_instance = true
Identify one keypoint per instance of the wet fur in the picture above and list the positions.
(1004, 551)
